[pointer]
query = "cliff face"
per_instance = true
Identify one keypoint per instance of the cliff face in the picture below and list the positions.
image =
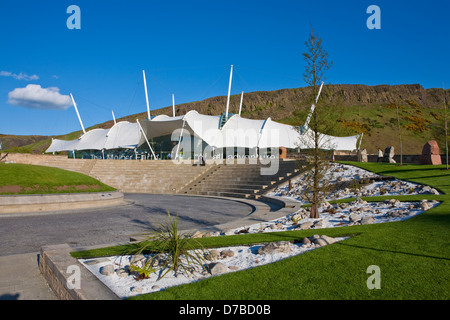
(385, 94)
(280, 104)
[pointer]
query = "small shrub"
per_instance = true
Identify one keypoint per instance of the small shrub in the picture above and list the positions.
(434, 115)
(181, 250)
(146, 270)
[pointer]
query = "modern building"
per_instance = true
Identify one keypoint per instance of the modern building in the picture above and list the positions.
(193, 135)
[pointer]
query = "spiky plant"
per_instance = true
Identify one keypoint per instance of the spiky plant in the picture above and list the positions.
(147, 268)
(181, 250)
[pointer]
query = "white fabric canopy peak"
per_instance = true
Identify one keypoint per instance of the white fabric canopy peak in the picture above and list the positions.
(236, 132)
(123, 134)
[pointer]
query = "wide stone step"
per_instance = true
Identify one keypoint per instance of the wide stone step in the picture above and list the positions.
(226, 194)
(225, 189)
(233, 185)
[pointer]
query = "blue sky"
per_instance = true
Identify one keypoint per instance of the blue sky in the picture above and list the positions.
(187, 47)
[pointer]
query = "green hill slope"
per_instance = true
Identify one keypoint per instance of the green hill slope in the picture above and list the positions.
(368, 109)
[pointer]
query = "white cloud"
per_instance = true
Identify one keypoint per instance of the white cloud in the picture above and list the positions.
(20, 76)
(35, 97)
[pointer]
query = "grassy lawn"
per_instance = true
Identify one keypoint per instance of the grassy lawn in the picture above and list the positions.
(18, 178)
(413, 256)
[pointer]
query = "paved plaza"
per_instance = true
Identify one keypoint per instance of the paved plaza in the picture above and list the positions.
(22, 236)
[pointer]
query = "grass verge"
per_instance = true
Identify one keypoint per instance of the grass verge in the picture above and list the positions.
(18, 178)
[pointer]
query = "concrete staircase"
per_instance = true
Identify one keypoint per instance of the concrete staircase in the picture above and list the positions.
(148, 176)
(134, 176)
(165, 176)
(240, 180)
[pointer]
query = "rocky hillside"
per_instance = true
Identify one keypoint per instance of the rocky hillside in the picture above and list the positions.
(368, 109)
(281, 104)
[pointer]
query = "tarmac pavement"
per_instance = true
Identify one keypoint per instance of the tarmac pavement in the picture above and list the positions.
(21, 279)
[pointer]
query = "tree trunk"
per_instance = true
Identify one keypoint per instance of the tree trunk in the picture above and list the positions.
(315, 202)
(314, 211)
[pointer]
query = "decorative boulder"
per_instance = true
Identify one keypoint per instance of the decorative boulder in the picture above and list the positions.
(328, 240)
(389, 155)
(320, 242)
(363, 155)
(306, 225)
(306, 241)
(212, 255)
(367, 220)
(275, 247)
(227, 253)
(430, 153)
(217, 268)
(107, 270)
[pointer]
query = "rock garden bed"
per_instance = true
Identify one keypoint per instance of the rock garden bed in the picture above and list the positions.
(117, 274)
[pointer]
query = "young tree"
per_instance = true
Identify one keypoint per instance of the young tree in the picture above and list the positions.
(445, 129)
(317, 64)
(399, 134)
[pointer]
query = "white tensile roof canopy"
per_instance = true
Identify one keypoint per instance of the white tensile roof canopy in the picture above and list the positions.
(123, 135)
(225, 131)
(242, 132)
(236, 132)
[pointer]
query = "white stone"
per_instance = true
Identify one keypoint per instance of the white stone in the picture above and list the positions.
(217, 268)
(107, 270)
(367, 220)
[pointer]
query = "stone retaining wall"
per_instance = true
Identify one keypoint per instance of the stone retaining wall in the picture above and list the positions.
(16, 204)
(68, 278)
(28, 158)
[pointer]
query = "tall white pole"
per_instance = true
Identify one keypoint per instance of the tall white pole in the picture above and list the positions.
(114, 118)
(229, 91)
(173, 104)
(148, 143)
(320, 89)
(146, 95)
(179, 140)
(76, 110)
(308, 118)
(240, 105)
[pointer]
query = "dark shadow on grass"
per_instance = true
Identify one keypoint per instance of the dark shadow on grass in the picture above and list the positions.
(441, 219)
(424, 177)
(398, 175)
(392, 251)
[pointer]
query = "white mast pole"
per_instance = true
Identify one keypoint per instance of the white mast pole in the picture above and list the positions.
(312, 108)
(179, 140)
(146, 94)
(320, 89)
(76, 109)
(148, 143)
(114, 118)
(229, 91)
(240, 105)
(173, 104)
